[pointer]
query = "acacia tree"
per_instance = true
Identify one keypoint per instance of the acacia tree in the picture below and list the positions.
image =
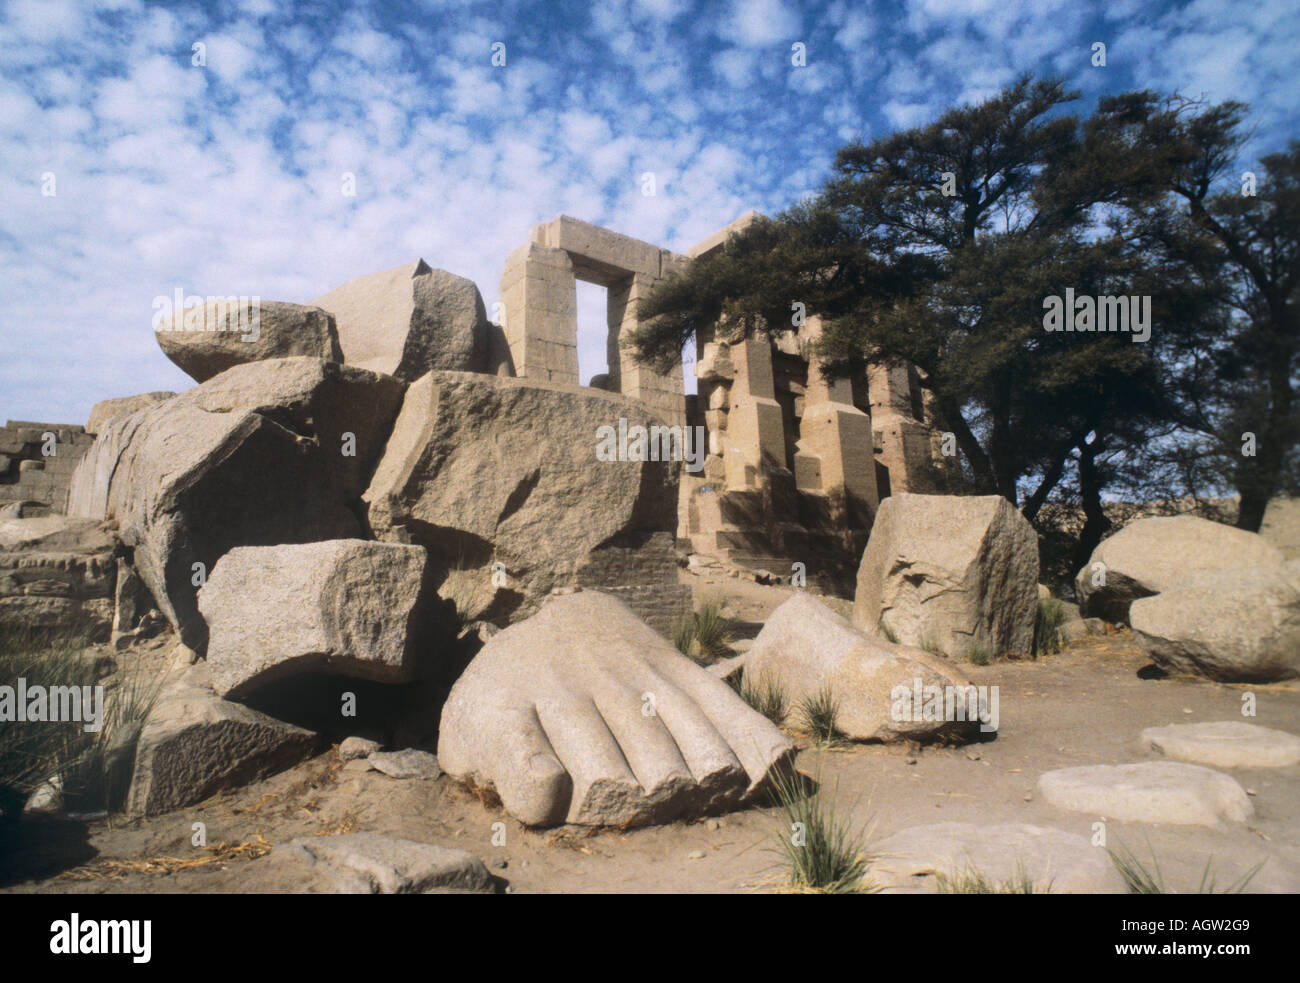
(1240, 233)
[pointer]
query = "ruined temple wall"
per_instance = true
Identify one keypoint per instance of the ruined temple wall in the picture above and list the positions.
(31, 476)
(796, 461)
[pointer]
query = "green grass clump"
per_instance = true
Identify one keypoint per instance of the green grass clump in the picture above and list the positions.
(704, 635)
(819, 714)
(1140, 880)
(711, 633)
(1047, 627)
(684, 635)
(979, 654)
(765, 696)
(823, 854)
(93, 768)
(971, 881)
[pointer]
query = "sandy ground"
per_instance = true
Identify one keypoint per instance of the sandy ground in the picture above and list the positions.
(1083, 706)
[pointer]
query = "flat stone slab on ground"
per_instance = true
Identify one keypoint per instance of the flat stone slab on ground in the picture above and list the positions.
(1057, 862)
(405, 764)
(372, 863)
(1224, 744)
(1151, 792)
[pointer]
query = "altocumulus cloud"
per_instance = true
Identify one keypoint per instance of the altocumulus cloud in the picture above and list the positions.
(227, 177)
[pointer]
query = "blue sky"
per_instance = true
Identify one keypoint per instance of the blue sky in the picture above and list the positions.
(226, 178)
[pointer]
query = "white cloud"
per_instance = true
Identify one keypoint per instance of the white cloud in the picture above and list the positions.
(228, 178)
(755, 23)
(737, 67)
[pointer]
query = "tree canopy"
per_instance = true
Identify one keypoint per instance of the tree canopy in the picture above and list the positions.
(944, 245)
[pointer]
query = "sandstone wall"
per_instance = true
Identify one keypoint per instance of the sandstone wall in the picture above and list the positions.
(29, 475)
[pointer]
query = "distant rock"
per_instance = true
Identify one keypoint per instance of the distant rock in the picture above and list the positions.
(1152, 555)
(949, 572)
(1230, 625)
(57, 574)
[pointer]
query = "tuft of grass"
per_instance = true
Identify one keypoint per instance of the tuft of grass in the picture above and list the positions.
(711, 633)
(35, 752)
(889, 633)
(765, 696)
(822, 852)
(1140, 880)
(469, 588)
(979, 654)
(972, 881)
(819, 714)
(684, 635)
(1047, 627)
(928, 643)
(704, 635)
(93, 768)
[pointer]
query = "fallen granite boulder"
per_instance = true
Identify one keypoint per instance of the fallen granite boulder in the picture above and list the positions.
(410, 320)
(499, 478)
(195, 744)
(1230, 625)
(1157, 554)
(345, 606)
(272, 452)
(206, 340)
(805, 649)
(947, 573)
(107, 409)
(583, 714)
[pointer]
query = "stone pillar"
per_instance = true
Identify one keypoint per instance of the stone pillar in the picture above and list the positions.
(664, 393)
(904, 441)
(755, 428)
(540, 296)
(839, 436)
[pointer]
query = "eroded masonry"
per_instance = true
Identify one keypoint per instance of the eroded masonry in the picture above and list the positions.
(798, 461)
